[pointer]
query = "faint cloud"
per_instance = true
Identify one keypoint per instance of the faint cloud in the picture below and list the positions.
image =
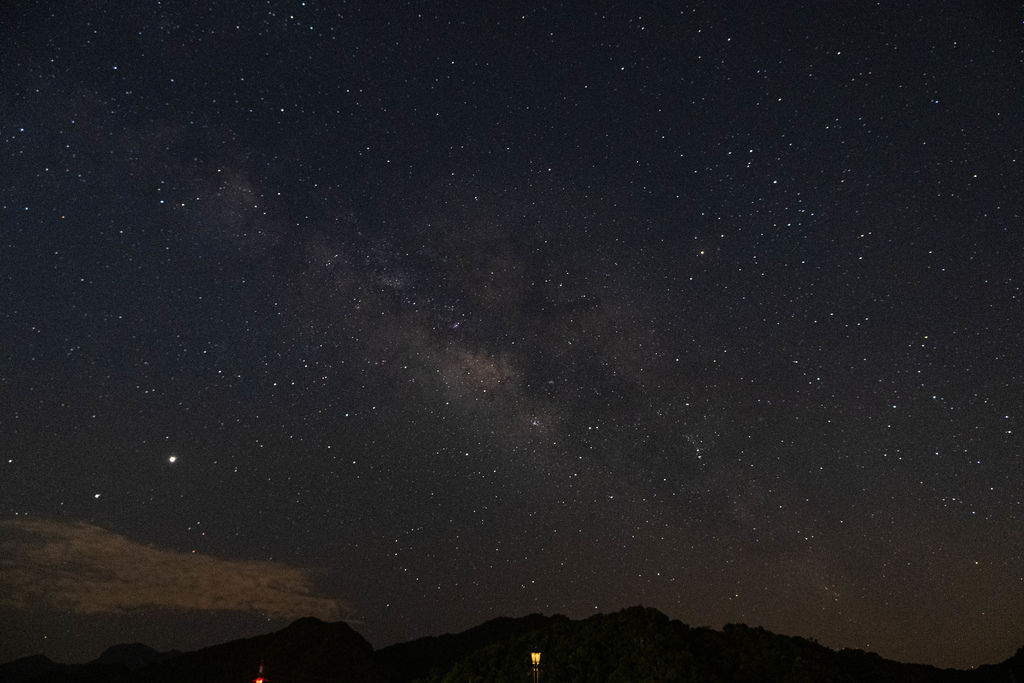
(89, 570)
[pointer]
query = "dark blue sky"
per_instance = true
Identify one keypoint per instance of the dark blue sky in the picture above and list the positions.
(427, 315)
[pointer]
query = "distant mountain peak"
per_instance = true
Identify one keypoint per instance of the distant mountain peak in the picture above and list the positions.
(132, 655)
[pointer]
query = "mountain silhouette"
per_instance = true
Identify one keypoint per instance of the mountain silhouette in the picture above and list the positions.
(635, 644)
(133, 655)
(436, 654)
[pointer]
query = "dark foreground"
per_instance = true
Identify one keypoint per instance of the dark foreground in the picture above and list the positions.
(636, 644)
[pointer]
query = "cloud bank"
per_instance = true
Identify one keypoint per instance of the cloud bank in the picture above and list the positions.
(89, 570)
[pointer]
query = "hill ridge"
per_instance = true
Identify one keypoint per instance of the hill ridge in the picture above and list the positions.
(635, 643)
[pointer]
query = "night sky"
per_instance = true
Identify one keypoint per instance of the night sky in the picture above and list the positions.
(419, 314)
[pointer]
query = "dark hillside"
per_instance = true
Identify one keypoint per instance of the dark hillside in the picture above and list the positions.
(436, 654)
(635, 644)
(642, 644)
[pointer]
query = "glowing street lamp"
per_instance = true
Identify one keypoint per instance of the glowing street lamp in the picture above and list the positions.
(535, 660)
